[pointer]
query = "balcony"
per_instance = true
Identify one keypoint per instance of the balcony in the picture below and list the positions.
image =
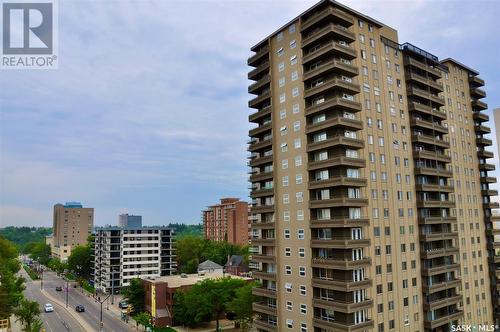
(429, 125)
(337, 181)
(334, 103)
(257, 101)
(254, 59)
(432, 155)
(338, 202)
(262, 176)
(437, 287)
(331, 325)
(487, 179)
(491, 205)
(477, 93)
(341, 285)
(336, 161)
(427, 139)
(485, 154)
(339, 243)
(336, 141)
(429, 82)
(261, 291)
(443, 320)
(435, 203)
(260, 129)
(439, 252)
(430, 70)
(330, 48)
(479, 105)
(262, 209)
(264, 325)
(433, 171)
(486, 167)
(261, 83)
(427, 95)
(335, 83)
(263, 258)
(329, 13)
(262, 307)
(328, 31)
(258, 161)
(489, 192)
(347, 307)
(482, 129)
(332, 65)
(262, 192)
(481, 117)
(476, 81)
(437, 304)
(269, 242)
(254, 74)
(438, 236)
(481, 141)
(413, 106)
(434, 187)
(338, 121)
(263, 225)
(341, 264)
(434, 220)
(339, 222)
(430, 271)
(264, 275)
(260, 144)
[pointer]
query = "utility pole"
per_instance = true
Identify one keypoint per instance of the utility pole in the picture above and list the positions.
(67, 290)
(41, 280)
(101, 325)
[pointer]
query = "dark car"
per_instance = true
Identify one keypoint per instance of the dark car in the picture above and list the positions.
(59, 288)
(123, 304)
(80, 308)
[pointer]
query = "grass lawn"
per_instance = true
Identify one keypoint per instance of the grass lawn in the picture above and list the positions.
(33, 275)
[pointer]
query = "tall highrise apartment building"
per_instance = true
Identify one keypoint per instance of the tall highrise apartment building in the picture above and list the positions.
(72, 225)
(227, 221)
(371, 202)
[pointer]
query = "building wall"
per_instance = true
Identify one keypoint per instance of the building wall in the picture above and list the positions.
(227, 221)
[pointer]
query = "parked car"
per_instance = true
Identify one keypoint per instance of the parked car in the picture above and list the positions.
(48, 307)
(59, 288)
(123, 304)
(80, 308)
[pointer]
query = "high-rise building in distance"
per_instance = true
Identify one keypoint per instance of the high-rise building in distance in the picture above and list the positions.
(129, 220)
(72, 225)
(227, 221)
(371, 202)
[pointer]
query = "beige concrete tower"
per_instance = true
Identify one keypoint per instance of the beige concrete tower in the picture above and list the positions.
(356, 206)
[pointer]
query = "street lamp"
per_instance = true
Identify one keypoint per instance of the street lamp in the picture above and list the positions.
(101, 302)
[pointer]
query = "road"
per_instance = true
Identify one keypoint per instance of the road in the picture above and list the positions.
(60, 319)
(111, 321)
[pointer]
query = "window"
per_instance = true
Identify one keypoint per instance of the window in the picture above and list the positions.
(288, 251)
(291, 28)
(279, 37)
(282, 82)
(374, 58)
(293, 59)
(302, 271)
(295, 75)
(285, 181)
(302, 290)
(288, 269)
(300, 234)
(295, 92)
(372, 42)
(295, 108)
(281, 66)
(299, 196)
(296, 126)
(302, 252)
(286, 233)
(296, 143)
(282, 98)
(303, 308)
(281, 51)
(293, 44)
(298, 161)
(289, 306)
(300, 215)
(288, 287)
(286, 198)
(298, 178)
(363, 54)
(282, 114)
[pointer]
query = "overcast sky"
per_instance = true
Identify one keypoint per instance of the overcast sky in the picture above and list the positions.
(147, 112)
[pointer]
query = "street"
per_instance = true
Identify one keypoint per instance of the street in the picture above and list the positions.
(60, 319)
(76, 296)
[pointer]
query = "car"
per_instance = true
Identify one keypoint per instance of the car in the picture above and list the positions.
(123, 304)
(48, 307)
(59, 288)
(80, 308)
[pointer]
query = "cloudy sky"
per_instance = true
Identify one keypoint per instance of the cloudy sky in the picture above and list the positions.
(147, 111)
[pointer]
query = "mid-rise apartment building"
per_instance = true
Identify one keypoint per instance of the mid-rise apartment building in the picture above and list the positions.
(72, 225)
(227, 221)
(123, 253)
(129, 220)
(371, 201)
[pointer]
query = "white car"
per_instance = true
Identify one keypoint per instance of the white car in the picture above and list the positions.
(48, 307)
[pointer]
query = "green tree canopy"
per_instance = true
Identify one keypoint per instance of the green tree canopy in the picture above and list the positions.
(134, 294)
(27, 313)
(241, 305)
(80, 261)
(40, 252)
(11, 286)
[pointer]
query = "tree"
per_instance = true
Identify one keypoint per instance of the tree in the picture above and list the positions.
(11, 286)
(80, 261)
(41, 253)
(27, 313)
(241, 305)
(134, 294)
(142, 318)
(57, 265)
(205, 301)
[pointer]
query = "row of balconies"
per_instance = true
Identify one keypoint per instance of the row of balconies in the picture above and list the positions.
(260, 99)
(336, 141)
(340, 263)
(337, 181)
(257, 72)
(428, 124)
(431, 155)
(338, 202)
(435, 86)
(438, 269)
(434, 187)
(327, 14)
(336, 103)
(435, 73)
(258, 56)
(260, 144)
(481, 141)
(441, 172)
(415, 106)
(341, 285)
(332, 83)
(413, 91)
(439, 252)
(476, 81)
(336, 161)
(337, 222)
(262, 83)
(340, 243)
(482, 129)
(337, 121)
(260, 114)
(478, 105)
(434, 220)
(431, 140)
(435, 203)
(479, 116)
(342, 306)
(439, 322)
(328, 49)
